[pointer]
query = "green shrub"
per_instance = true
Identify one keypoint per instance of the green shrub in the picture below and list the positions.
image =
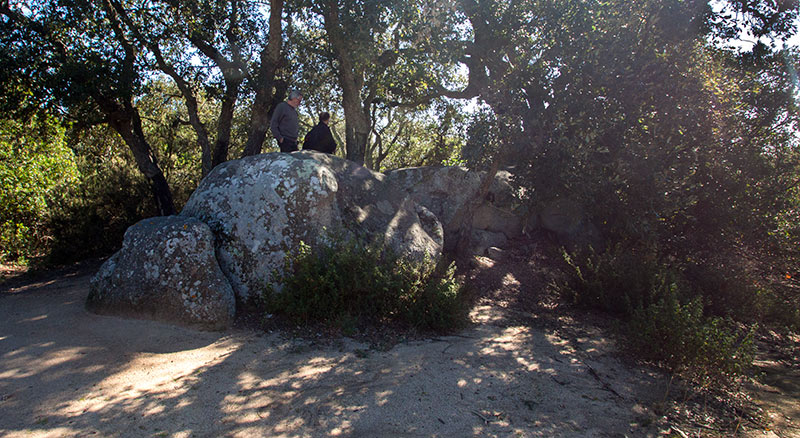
(728, 290)
(678, 337)
(618, 280)
(662, 312)
(345, 283)
(92, 220)
(36, 168)
(439, 305)
(781, 306)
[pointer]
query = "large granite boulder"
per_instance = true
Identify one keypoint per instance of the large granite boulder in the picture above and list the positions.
(166, 270)
(261, 207)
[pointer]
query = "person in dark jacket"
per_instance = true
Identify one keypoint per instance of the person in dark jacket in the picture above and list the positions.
(285, 122)
(320, 137)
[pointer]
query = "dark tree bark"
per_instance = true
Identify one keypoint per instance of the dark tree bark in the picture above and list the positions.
(185, 88)
(123, 116)
(233, 73)
(266, 98)
(351, 79)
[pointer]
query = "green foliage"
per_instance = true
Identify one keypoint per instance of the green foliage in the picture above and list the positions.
(36, 168)
(688, 150)
(71, 194)
(347, 284)
(89, 212)
(419, 138)
(710, 351)
(483, 139)
(663, 315)
(439, 305)
(174, 141)
(617, 281)
(631, 108)
(91, 221)
(728, 291)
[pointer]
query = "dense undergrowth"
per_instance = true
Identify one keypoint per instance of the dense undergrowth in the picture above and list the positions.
(697, 321)
(349, 285)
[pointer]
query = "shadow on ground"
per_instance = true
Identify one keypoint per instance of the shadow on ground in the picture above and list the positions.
(67, 372)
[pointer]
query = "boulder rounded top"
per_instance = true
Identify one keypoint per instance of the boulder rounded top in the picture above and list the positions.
(261, 207)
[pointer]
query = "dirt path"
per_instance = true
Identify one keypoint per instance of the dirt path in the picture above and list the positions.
(777, 393)
(65, 373)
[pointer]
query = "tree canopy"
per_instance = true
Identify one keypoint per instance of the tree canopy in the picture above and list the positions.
(672, 125)
(635, 103)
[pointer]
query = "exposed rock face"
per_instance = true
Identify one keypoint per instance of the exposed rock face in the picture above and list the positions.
(238, 226)
(261, 207)
(499, 217)
(443, 190)
(493, 219)
(166, 270)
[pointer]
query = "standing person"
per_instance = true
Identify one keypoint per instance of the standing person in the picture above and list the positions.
(320, 137)
(286, 122)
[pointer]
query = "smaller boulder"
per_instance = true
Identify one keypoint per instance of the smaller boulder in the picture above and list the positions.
(495, 253)
(166, 271)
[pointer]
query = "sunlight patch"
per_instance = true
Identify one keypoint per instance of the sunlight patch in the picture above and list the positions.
(35, 318)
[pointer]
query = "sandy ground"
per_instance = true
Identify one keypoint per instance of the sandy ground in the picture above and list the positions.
(65, 372)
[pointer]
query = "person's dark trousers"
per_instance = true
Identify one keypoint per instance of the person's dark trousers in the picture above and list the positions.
(288, 145)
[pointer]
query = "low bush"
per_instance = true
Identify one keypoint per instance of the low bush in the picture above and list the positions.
(617, 281)
(92, 219)
(665, 317)
(36, 168)
(708, 350)
(347, 284)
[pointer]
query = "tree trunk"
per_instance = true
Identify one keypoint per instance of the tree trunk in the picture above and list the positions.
(351, 79)
(356, 130)
(190, 101)
(128, 124)
(233, 71)
(122, 116)
(226, 121)
(259, 120)
(265, 100)
(185, 88)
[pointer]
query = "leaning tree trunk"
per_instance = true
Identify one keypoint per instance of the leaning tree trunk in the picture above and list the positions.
(266, 99)
(189, 97)
(232, 73)
(351, 79)
(124, 118)
(128, 124)
(226, 121)
(121, 115)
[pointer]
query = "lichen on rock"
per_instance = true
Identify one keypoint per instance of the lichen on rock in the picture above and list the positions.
(262, 207)
(166, 270)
